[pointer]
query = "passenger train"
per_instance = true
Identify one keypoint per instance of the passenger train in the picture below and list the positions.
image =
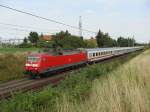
(39, 64)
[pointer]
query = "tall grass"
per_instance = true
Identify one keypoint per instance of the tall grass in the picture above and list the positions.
(126, 89)
(11, 66)
(17, 50)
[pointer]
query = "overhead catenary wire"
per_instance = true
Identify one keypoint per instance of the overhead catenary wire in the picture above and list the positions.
(24, 30)
(47, 19)
(6, 32)
(22, 26)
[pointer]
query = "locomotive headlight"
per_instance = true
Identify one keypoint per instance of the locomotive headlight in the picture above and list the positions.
(34, 65)
(28, 64)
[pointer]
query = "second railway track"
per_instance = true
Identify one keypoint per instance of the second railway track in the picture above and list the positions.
(9, 88)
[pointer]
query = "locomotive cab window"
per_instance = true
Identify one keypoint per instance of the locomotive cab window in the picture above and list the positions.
(33, 59)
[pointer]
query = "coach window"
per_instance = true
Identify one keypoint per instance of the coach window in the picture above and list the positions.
(99, 53)
(93, 54)
(96, 54)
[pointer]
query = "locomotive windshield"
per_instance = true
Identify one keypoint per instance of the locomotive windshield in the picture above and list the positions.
(33, 59)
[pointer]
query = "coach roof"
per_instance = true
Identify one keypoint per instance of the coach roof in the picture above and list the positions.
(108, 49)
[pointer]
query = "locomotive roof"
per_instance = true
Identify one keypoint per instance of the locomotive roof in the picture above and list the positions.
(64, 52)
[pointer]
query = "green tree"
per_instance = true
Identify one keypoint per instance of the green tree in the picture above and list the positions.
(99, 39)
(91, 43)
(25, 40)
(65, 40)
(126, 42)
(33, 37)
(104, 40)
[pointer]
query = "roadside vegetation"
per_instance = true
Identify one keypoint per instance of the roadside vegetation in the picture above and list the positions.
(11, 66)
(16, 50)
(120, 85)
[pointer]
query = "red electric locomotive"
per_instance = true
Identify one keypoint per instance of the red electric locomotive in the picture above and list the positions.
(43, 63)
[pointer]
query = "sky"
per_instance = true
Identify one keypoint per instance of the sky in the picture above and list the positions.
(127, 18)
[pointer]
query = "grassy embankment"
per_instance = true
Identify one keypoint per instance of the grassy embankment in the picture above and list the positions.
(12, 62)
(121, 85)
(124, 90)
(16, 50)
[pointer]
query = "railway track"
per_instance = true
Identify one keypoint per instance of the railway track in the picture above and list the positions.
(10, 88)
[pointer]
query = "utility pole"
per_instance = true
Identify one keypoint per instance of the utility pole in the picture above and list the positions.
(80, 26)
(128, 41)
(133, 41)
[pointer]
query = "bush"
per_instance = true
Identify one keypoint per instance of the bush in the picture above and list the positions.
(11, 66)
(75, 85)
(25, 45)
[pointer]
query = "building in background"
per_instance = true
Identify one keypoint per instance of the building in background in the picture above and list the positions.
(47, 37)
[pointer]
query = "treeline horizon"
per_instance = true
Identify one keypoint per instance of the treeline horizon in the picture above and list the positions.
(65, 40)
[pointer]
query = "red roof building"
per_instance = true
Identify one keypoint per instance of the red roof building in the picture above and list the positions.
(47, 37)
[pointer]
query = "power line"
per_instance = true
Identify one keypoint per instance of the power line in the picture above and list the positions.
(24, 30)
(51, 20)
(18, 34)
(21, 26)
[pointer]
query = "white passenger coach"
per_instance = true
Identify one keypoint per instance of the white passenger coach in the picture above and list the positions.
(104, 53)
